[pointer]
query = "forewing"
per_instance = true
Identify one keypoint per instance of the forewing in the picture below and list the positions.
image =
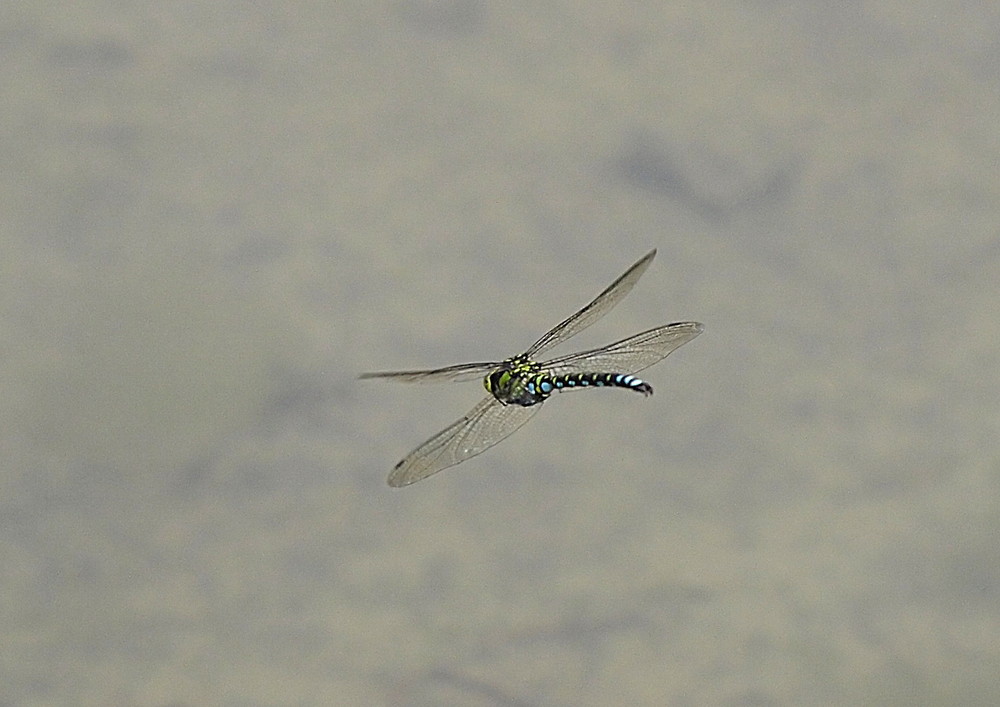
(461, 372)
(485, 425)
(629, 355)
(601, 305)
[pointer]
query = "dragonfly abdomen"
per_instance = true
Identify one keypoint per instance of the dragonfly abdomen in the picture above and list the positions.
(524, 382)
(547, 384)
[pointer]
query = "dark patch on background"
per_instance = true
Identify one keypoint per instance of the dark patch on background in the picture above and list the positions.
(444, 18)
(712, 185)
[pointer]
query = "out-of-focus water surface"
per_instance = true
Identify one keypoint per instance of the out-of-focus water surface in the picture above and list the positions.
(216, 215)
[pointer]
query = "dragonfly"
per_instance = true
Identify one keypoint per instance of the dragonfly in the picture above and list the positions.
(519, 385)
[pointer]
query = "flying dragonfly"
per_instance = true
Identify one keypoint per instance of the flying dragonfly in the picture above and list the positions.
(520, 384)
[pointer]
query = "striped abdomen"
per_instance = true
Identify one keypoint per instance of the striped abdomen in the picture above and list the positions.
(520, 381)
(545, 385)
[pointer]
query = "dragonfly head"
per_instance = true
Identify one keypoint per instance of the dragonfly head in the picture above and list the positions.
(514, 382)
(498, 381)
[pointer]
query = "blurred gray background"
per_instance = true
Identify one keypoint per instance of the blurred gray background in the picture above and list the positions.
(215, 215)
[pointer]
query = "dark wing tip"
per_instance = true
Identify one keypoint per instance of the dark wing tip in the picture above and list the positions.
(398, 481)
(694, 327)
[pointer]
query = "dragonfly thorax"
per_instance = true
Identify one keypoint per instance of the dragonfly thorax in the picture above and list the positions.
(517, 382)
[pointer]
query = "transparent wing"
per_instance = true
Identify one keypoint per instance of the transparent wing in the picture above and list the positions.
(485, 425)
(629, 355)
(461, 372)
(601, 305)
